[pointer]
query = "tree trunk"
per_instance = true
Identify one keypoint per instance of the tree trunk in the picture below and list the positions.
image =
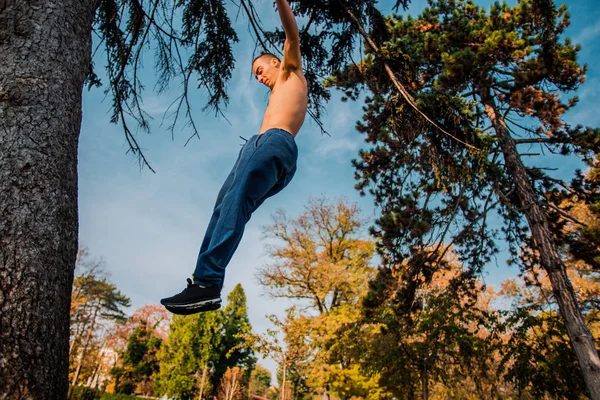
(78, 331)
(45, 51)
(425, 383)
(86, 343)
(75, 336)
(94, 377)
(202, 382)
(283, 382)
(579, 334)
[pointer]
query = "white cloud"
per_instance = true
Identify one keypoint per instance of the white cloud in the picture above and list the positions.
(584, 112)
(155, 105)
(333, 145)
(588, 33)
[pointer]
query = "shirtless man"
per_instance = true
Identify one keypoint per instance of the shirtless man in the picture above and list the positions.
(265, 165)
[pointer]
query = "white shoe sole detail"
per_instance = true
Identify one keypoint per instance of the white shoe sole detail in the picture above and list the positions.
(195, 305)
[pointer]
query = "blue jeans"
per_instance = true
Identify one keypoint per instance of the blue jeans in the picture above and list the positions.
(265, 165)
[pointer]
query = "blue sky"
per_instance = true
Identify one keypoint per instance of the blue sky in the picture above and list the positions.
(148, 227)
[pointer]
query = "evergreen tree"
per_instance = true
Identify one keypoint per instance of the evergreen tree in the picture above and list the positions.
(194, 342)
(489, 83)
(448, 340)
(95, 303)
(235, 323)
(140, 362)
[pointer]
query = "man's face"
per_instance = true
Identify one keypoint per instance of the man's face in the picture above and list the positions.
(266, 70)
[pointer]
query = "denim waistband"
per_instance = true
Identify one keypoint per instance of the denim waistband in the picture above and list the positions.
(278, 130)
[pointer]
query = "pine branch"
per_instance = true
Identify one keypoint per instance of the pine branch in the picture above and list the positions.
(409, 99)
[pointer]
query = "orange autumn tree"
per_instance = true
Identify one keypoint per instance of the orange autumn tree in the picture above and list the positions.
(230, 387)
(321, 261)
(284, 345)
(442, 344)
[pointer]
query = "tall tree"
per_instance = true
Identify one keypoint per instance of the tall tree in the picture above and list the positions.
(537, 355)
(322, 262)
(95, 304)
(45, 58)
(319, 257)
(447, 340)
(193, 343)
(235, 323)
(492, 81)
(538, 336)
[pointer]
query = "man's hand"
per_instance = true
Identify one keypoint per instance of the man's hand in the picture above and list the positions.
(291, 49)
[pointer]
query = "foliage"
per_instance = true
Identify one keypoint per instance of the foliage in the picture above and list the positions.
(447, 338)
(317, 256)
(431, 188)
(95, 304)
(193, 342)
(139, 362)
(494, 80)
(84, 393)
(195, 39)
(235, 322)
(321, 262)
(538, 356)
(260, 381)
(282, 344)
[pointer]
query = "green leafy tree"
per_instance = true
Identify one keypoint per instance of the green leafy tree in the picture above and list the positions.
(193, 343)
(490, 84)
(140, 362)
(235, 323)
(538, 356)
(260, 381)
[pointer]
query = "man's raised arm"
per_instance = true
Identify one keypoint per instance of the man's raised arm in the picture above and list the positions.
(291, 49)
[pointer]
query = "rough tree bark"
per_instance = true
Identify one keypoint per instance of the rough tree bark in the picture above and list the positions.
(579, 334)
(45, 51)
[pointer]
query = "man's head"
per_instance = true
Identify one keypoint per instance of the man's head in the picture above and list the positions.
(265, 69)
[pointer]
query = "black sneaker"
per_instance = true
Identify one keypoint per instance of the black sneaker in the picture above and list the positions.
(193, 299)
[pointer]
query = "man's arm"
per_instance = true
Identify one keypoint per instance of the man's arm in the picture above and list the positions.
(291, 48)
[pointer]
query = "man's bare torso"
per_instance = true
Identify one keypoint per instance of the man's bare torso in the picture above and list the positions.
(287, 102)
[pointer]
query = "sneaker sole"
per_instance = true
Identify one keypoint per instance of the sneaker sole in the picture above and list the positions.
(197, 304)
(189, 311)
